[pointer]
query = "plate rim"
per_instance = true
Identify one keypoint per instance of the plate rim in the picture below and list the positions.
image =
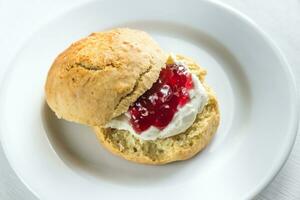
(293, 87)
(293, 129)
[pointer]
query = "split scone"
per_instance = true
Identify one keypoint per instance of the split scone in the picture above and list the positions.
(145, 105)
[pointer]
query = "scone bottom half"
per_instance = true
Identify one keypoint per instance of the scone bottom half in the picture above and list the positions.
(101, 76)
(175, 148)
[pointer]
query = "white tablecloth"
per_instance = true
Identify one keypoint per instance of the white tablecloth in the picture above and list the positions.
(280, 19)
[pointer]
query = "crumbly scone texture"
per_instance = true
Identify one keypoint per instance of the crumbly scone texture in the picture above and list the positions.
(179, 147)
(98, 77)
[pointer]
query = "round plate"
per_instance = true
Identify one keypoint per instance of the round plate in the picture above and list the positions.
(57, 159)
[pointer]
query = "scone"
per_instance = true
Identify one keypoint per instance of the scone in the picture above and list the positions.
(164, 150)
(98, 77)
(145, 105)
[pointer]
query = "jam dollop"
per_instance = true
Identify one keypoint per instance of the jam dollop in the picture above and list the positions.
(158, 105)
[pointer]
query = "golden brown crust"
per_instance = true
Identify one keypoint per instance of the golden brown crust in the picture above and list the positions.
(98, 77)
(178, 147)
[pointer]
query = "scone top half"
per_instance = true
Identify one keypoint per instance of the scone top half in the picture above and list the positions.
(100, 76)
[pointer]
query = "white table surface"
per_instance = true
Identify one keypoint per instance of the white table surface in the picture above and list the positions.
(279, 18)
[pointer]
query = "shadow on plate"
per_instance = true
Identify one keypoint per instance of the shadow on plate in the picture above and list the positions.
(78, 148)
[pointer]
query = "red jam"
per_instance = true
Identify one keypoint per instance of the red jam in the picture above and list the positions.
(157, 106)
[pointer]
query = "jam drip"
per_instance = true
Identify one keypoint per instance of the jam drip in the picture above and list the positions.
(157, 106)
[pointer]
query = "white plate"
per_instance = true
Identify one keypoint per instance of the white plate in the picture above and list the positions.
(61, 160)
